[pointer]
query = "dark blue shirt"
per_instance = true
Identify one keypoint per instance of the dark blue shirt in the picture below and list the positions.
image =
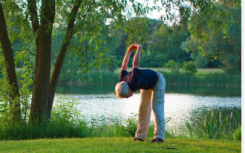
(139, 78)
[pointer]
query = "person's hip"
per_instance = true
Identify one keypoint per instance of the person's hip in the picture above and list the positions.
(161, 82)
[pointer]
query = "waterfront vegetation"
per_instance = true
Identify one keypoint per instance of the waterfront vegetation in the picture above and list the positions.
(214, 125)
(67, 122)
(203, 77)
(65, 128)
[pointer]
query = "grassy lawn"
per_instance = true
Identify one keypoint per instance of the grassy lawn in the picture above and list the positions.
(204, 72)
(119, 145)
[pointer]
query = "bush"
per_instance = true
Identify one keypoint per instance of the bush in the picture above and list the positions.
(131, 125)
(189, 68)
(174, 66)
(237, 134)
(66, 121)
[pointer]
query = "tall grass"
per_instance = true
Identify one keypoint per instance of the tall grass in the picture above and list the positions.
(218, 79)
(66, 122)
(214, 125)
(98, 78)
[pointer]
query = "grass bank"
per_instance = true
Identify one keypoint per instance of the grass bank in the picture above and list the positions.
(119, 145)
(67, 123)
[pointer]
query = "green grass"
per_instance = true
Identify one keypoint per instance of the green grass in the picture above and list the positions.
(207, 71)
(214, 125)
(119, 145)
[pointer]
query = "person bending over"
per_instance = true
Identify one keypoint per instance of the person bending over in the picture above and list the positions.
(152, 89)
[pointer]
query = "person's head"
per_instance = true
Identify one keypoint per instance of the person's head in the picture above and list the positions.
(122, 90)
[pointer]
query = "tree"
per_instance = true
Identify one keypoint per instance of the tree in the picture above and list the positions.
(201, 60)
(81, 17)
(165, 46)
(222, 45)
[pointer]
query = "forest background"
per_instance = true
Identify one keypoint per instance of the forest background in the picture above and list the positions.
(162, 42)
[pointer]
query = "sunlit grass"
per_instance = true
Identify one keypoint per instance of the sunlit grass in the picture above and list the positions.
(207, 71)
(120, 145)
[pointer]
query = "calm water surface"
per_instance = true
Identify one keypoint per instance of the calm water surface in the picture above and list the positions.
(103, 104)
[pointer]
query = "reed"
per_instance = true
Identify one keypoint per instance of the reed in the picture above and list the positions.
(214, 125)
(217, 79)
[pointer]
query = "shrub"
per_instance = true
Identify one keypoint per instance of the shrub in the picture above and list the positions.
(189, 68)
(237, 134)
(131, 125)
(174, 66)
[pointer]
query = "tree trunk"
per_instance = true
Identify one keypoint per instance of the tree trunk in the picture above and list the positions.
(39, 106)
(13, 90)
(61, 56)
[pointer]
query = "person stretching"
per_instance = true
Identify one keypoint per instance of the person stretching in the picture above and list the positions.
(152, 89)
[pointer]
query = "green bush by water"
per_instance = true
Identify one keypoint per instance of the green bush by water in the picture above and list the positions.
(237, 134)
(189, 68)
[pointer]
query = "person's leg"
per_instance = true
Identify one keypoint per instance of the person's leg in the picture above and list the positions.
(158, 107)
(144, 114)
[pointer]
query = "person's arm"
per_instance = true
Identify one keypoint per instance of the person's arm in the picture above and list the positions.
(137, 56)
(126, 57)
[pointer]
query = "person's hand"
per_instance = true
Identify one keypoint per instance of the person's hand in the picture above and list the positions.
(138, 45)
(133, 47)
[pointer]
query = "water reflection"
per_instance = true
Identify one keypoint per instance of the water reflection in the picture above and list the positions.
(181, 106)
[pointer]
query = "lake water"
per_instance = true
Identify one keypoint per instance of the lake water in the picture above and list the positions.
(181, 104)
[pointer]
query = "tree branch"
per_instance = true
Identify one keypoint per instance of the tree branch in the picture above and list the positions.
(32, 54)
(32, 7)
(67, 3)
(7, 51)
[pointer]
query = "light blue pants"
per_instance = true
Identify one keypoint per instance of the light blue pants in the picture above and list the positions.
(152, 99)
